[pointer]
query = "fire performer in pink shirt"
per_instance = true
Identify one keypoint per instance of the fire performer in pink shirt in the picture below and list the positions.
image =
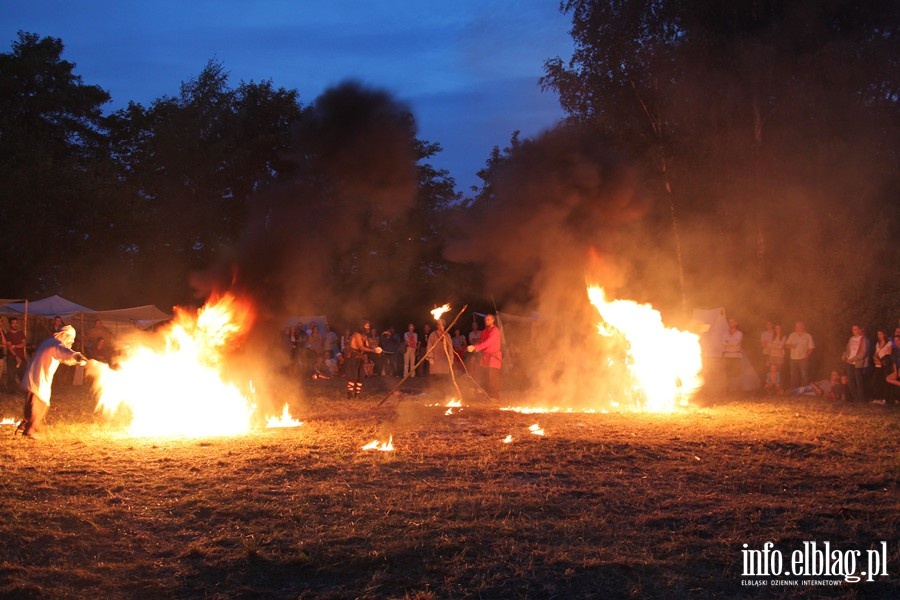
(491, 356)
(38, 378)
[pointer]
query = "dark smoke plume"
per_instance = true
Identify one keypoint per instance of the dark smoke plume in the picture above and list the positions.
(353, 167)
(555, 202)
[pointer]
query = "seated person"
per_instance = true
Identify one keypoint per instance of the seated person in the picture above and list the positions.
(832, 388)
(330, 364)
(773, 381)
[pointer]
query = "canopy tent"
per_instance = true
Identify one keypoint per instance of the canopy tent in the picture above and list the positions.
(37, 314)
(141, 316)
(46, 307)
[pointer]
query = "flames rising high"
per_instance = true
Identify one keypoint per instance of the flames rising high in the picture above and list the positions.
(663, 363)
(176, 388)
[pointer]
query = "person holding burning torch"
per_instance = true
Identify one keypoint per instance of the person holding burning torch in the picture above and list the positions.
(491, 357)
(358, 348)
(38, 378)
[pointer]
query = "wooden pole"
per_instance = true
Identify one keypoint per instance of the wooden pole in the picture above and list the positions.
(424, 356)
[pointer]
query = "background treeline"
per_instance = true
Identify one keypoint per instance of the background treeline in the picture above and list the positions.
(761, 138)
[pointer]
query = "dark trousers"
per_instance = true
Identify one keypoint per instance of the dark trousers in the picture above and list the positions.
(13, 374)
(35, 410)
(857, 381)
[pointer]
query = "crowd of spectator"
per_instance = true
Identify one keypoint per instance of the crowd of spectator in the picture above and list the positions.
(864, 372)
(404, 352)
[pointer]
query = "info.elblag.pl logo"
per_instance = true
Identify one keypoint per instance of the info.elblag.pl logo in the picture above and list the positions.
(815, 560)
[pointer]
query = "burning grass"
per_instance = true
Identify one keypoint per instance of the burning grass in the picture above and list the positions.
(601, 505)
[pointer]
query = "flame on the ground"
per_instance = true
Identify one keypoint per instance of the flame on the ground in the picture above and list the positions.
(387, 446)
(438, 312)
(536, 429)
(177, 389)
(508, 439)
(663, 362)
(453, 403)
(537, 410)
(9, 421)
(285, 420)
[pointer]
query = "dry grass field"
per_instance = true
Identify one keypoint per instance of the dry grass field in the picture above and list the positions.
(601, 506)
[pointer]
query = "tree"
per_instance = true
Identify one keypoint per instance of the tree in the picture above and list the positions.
(773, 126)
(56, 188)
(193, 164)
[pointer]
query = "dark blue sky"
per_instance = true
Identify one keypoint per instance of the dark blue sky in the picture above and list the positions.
(467, 68)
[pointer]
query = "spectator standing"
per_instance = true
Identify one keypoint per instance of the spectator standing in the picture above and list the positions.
(97, 332)
(881, 358)
(765, 340)
(389, 350)
(474, 339)
(856, 360)
(16, 357)
(410, 345)
(459, 343)
(776, 348)
(894, 378)
(425, 366)
(330, 340)
(733, 352)
(316, 349)
(801, 345)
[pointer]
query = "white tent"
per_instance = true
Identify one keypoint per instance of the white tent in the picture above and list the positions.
(46, 307)
(81, 317)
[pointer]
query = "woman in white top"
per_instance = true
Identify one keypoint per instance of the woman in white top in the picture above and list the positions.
(775, 354)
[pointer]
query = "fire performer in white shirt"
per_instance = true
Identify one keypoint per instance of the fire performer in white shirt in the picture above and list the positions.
(38, 379)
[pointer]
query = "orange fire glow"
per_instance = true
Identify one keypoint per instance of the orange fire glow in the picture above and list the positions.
(387, 446)
(285, 420)
(175, 387)
(536, 429)
(664, 363)
(438, 312)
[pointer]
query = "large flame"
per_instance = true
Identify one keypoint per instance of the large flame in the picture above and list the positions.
(437, 313)
(176, 388)
(664, 362)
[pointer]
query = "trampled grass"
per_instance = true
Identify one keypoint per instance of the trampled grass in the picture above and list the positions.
(601, 506)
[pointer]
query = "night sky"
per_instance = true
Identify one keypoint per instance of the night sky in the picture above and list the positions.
(467, 68)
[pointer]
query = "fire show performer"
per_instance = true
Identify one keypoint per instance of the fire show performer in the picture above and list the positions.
(38, 378)
(491, 356)
(358, 348)
(441, 355)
